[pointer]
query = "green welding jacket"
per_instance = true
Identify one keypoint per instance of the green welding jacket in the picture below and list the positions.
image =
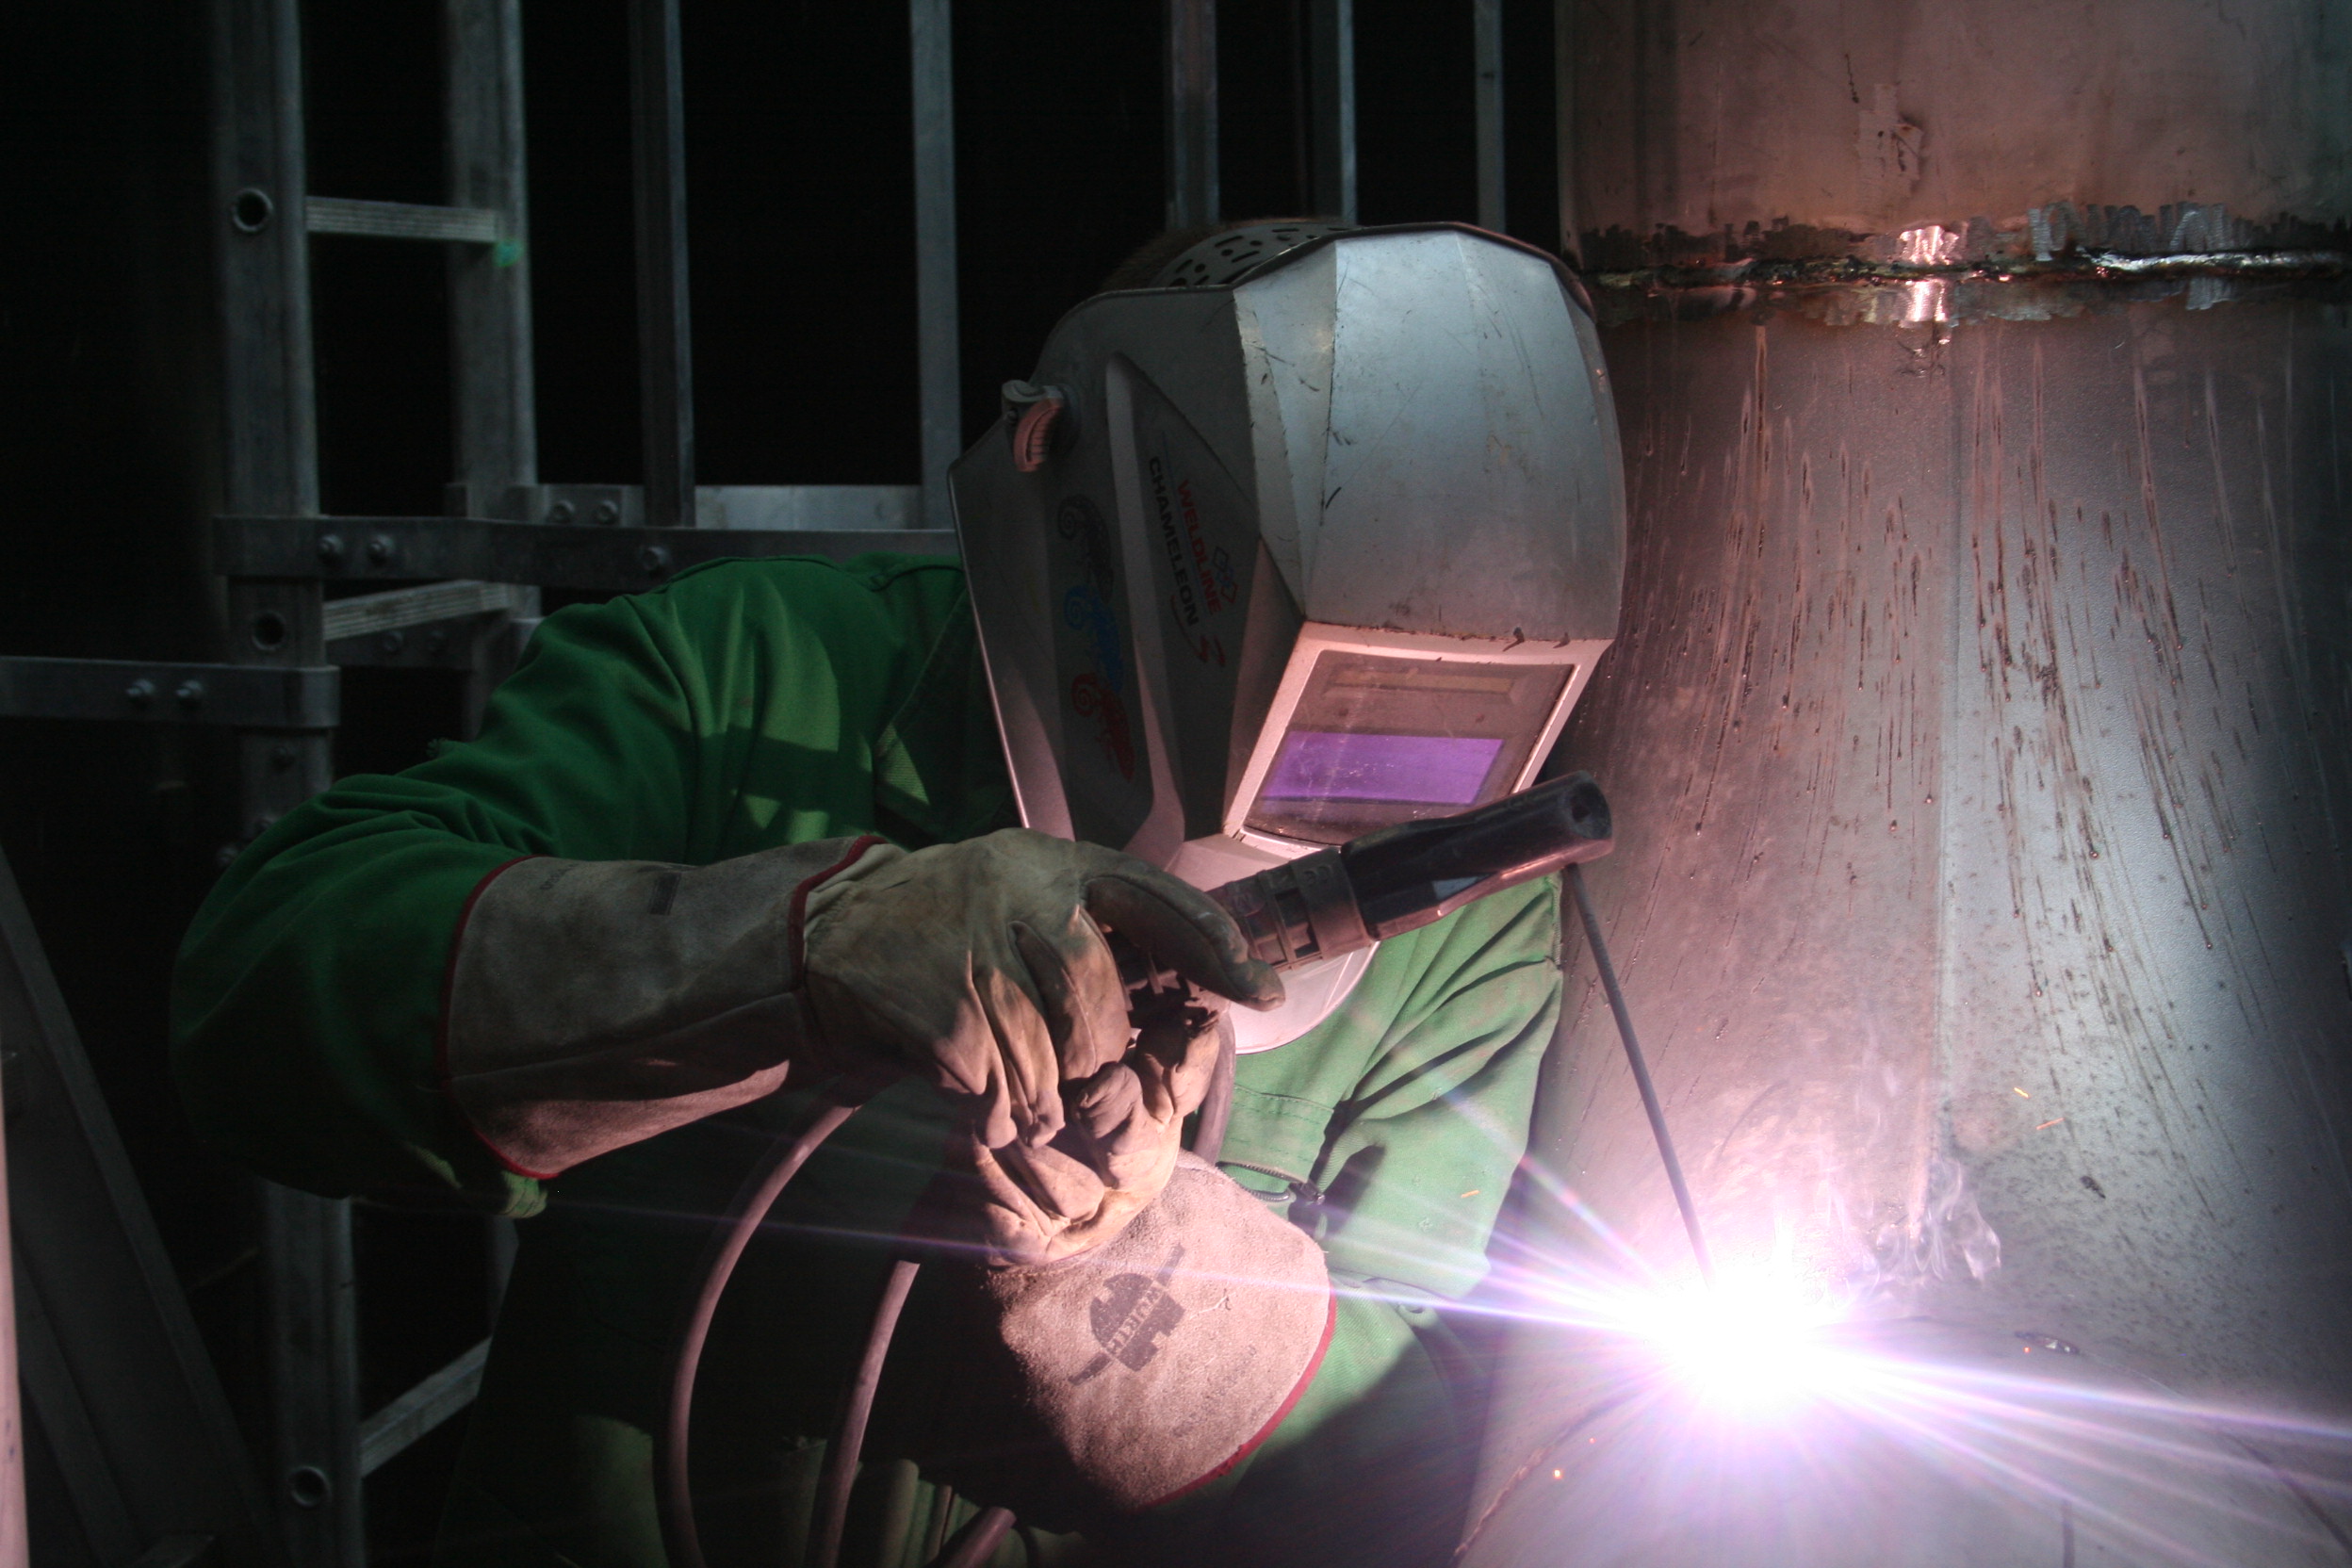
(743, 706)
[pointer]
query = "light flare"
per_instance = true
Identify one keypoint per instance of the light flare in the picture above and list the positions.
(1753, 1345)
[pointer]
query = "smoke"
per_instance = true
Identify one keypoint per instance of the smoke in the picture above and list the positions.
(1950, 1243)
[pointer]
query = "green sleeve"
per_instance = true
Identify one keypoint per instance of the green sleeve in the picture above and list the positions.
(1407, 1110)
(739, 707)
(1403, 1117)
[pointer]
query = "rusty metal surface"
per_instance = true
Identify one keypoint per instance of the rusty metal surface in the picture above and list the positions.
(1979, 736)
(1798, 127)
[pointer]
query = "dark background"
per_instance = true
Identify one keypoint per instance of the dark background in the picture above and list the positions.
(800, 202)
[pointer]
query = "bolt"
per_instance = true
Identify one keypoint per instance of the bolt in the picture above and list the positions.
(190, 695)
(606, 511)
(390, 644)
(259, 826)
(437, 639)
(329, 548)
(560, 512)
(655, 559)
(280, 757)
(379, 548)
(140, 693)
(224, 856)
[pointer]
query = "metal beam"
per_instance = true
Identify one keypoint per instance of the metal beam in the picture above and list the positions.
(620, 560)
(270, 465)
(258, 175)
(665, 382)
(440, 1395)
(1331, 95)
(312, 1346)
(369, 614)
(752, 506)
(1563, 123)
(400, 220)
(15, 1549)
(1486, 47)
(1191, 62)
(931, 27)
(490, 289)
(249, 697)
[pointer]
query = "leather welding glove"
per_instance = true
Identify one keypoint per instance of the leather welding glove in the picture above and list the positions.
(1037, 1203)
(982, 965)
(1084, 1393)
(593, 1004)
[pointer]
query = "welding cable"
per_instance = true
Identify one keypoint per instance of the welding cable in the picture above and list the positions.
(790, 1151)
(979, 1539)
(1642, 1076)
(849, 1442)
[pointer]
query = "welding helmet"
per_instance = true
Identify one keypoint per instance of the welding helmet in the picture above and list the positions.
(1320, 532)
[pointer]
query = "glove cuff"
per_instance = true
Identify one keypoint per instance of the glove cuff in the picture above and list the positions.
(797, 912)
(594, 1003)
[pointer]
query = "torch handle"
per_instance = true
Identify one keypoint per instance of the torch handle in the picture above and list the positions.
(1338, 901)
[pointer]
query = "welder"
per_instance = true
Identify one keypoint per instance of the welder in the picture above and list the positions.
(1296, 531)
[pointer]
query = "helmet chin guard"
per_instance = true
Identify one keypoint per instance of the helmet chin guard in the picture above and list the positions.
(1326, 542)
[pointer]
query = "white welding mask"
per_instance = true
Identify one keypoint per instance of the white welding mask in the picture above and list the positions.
(1321, 533)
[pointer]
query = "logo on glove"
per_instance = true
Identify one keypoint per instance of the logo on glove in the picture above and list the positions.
(1131, 1317)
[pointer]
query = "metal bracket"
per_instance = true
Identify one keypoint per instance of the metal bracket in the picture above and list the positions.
(402, 221)
(610, 559)
(383, 1436)
(787, 507)
(250, 696)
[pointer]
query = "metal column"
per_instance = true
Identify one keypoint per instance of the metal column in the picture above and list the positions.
(489, 285)
(259, 182)
(493, 392)
(1191, 113)
(1331, 118)
(666, 382)
(1976, 730)
(931, 28)
(1486, 48)
(1564, 123)
(14, 1549)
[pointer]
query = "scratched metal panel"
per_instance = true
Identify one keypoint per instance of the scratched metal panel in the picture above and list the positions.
(1978, 737)
(1827, 120)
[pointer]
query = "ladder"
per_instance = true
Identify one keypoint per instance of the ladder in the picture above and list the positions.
(469, 581)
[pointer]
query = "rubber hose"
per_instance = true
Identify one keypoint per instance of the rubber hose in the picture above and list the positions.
(849, 1442)
(979, 1540)
(675, 1494)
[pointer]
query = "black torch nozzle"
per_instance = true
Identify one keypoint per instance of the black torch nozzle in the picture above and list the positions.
(1337, 900)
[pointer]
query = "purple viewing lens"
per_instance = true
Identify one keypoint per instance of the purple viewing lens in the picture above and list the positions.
(1317, 764)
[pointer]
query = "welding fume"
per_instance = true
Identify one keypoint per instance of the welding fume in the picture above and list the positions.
(1007, 1059)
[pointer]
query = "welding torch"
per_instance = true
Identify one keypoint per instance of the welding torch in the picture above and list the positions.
(1397, 879)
